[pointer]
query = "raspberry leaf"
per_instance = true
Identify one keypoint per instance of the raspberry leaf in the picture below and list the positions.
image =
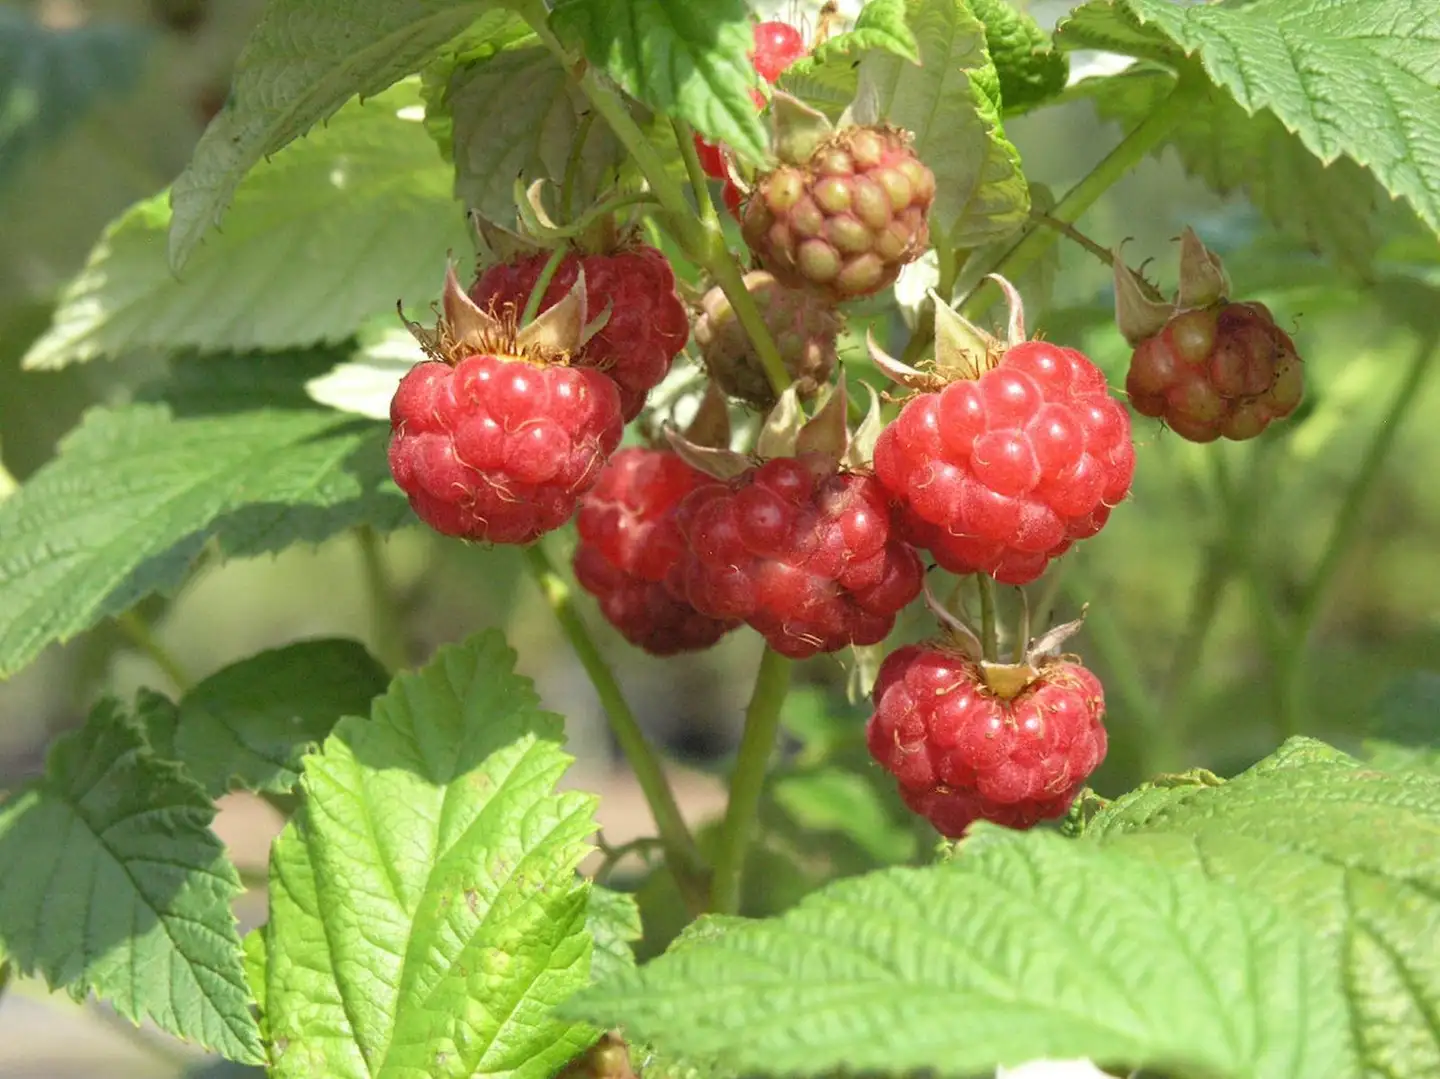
(304, 61)
(828, 77)
(365, 199)
(530, 138)
(1033, 946)
(425, 901)
(1331, 208)
(51, 78)
(1353, 852)
(247, 725)
(117, 841)
(951, 102)
(685, 59)
(1350, 80)
(231, 449)
(613, 921)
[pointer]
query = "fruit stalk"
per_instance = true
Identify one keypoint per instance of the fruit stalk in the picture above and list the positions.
(1128, 153)
(680, 850)
(140, 635)
(1348, 523)
(989, 632)
(699, 182)
(762, 723)
(386, 625)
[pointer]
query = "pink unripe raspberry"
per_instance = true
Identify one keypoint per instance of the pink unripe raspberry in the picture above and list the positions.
(963, 752)
(801, 551)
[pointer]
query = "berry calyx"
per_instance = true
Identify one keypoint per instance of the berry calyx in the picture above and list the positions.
(804, 328)
(844, 212)
(1210, 368)
(496, 437)
(1014, 451)
(647, 327)
(967, 741)
(629, 542)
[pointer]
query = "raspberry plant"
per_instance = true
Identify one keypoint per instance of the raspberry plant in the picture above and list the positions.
(861, 422)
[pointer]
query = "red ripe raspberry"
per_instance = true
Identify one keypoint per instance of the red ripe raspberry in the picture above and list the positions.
(1001, 473)
(712, 158)
(1220, 371)
(497, 448)
(802, 552)
(733, 198)
(962, 753)
(777, 46)
(648, 323)
(629, 542)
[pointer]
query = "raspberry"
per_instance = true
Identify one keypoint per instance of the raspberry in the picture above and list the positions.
(1001, 473)
(777, 46)
(733, 198)
(499, 447)
(800, 550)
(1221, 371)
(648, 324)
(804, 329)
(847, 219)
(962, 752)
(629, 542)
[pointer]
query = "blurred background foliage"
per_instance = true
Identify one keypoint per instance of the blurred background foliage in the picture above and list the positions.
(1193, 589)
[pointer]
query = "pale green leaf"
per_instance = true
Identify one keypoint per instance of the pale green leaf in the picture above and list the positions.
(493, 31)
(304, 61)
(829, 76)
(112, 882)
(1358, 80)
(1030, 68)
(425, 914)
(246, 726)
(950, 102)
(1353, 852)
(233, 451)
(613, 921)
(1034, 947)
(530, 138)
(682, 58)
(329, 233)
(366, 382)
(1331, 208)
(50, 78)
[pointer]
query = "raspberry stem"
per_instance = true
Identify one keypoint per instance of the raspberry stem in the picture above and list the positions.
(387, 630)
(680, 850)
(1128, 153)
(762, 723)
(572, 164)
(989, 631)
(542, 284)
(1348, 522)
(699, 182)
(140, 635)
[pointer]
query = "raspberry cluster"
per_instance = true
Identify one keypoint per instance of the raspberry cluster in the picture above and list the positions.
(1001, 473)
(801, 551)
(629, 542)
(648, 324)
(961, 752)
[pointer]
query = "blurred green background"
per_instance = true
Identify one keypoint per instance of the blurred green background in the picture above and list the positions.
(1193, 588)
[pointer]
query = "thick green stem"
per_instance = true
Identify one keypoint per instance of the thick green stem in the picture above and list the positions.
(699, 182)
(387, 625)
(989, 631)
(140, 635)
(572, 165)
(1348, 523)
(1128, 153)
(542, 285)
(762, 723)
(727, 275)
(680, 850)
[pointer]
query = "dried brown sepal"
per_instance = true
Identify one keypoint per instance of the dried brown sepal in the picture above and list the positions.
(1138, 314)
(1203, 280)
(781, 428)
(861, 452)
(710, 426)
(828, 430)
(718, 462)
(899, 372)
(796, 130)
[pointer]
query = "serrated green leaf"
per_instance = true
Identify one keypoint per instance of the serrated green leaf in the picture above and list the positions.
(1356, 854)
(246, 726)
(304, 61)
(111, 881)
(493, 31)
(425, 914)
(682, 58)
(1353, 80)
(232, 449)
(1034, 947)
(50, 78)
(328, 234)
(530, 138)
(1030, 68)
(1330, 208)
(613, 921)
(1405, 726)
(828, 77)
(950, 101)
